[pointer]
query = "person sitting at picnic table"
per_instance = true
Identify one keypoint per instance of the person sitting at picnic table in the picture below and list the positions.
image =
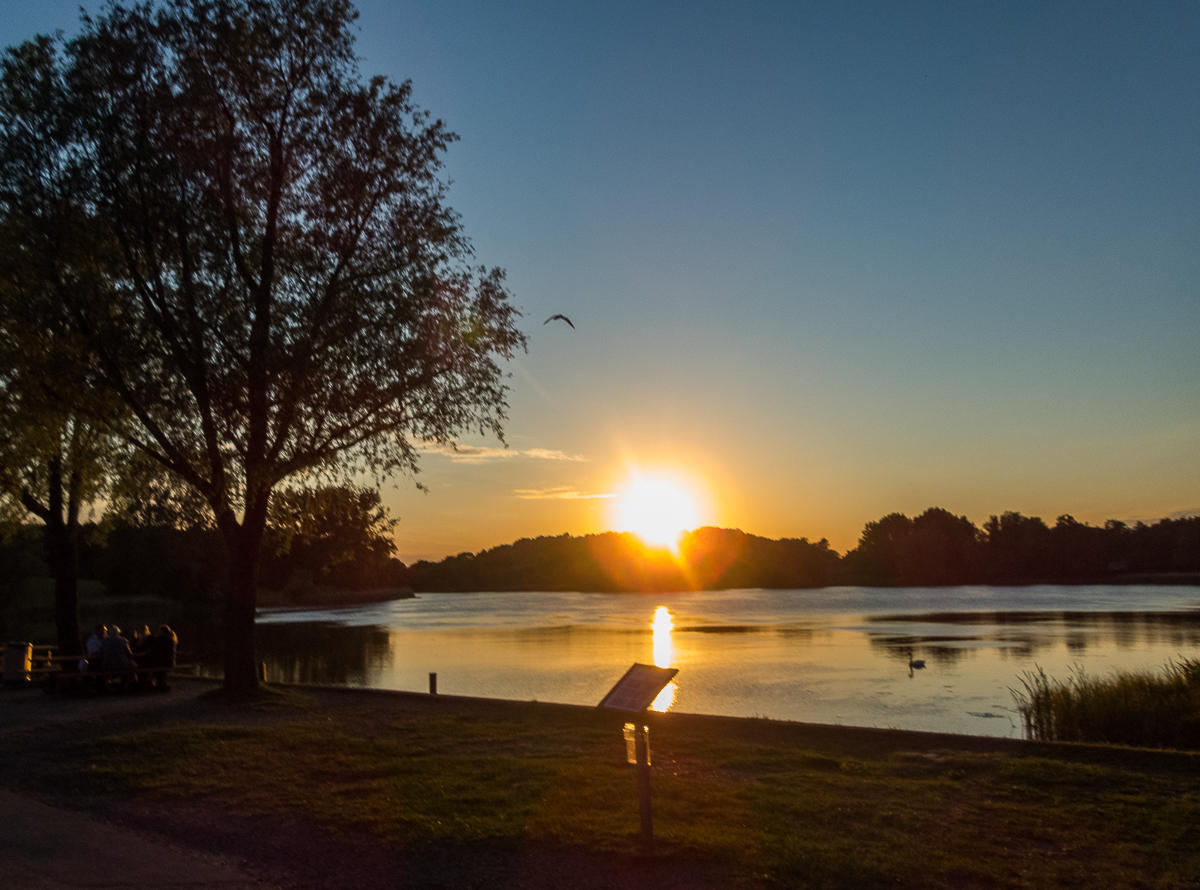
(160, 656)
(115, 654)
(92, 648)
(140, 644)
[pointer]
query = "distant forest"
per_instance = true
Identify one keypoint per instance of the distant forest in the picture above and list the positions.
(342, 538)
(935, 548)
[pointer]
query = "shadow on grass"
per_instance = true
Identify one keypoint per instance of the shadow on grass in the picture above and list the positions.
(261, 695)
(803, 864)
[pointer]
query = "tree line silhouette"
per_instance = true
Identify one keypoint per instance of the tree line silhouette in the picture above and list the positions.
(939, 548)
(709, 558)
(933, 549)
(342, 537)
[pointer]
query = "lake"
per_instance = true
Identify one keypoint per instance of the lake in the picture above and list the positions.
(835, 655)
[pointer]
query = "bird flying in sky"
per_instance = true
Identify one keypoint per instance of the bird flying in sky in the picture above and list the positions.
(563, 317)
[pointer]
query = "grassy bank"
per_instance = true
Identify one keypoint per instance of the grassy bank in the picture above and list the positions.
(322, 787)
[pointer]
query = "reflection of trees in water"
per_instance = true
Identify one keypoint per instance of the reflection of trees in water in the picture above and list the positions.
(1124, 629)
(1025, 646)
(901, 646)
(1077, 643)
(800, 634)
(1079, 630)
(313, 652)
(946, 655)
(1019, 652)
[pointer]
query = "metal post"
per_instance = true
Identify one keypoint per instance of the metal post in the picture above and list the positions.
(643, 770)
(432, 683)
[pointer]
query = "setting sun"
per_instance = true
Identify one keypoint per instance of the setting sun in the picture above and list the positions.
(657, 509)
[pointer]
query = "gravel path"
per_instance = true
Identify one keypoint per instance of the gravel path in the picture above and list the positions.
(48, 848)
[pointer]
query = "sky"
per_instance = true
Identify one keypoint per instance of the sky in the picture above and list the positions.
(825, 261)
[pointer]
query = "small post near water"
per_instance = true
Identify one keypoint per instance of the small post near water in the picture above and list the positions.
(634, 693)
(432, 683)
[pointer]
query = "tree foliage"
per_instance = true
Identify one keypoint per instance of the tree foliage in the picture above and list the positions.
(253, 247)
(338, 536)
(57, 459)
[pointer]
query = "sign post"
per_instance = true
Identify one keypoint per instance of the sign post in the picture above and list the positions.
(634, 693)
(643, 769)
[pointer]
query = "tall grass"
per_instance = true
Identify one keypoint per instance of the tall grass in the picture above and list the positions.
(1145, 709)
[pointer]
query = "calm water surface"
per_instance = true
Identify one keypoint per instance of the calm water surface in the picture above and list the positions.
(838, 655)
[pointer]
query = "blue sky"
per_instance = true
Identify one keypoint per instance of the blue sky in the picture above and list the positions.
(825, 261)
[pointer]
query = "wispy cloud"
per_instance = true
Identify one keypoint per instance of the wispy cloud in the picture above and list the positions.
(476, 454)
(547, 454)
(1185, 514)
(558, 493)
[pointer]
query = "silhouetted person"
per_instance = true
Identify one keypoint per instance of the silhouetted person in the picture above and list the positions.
(160, 656)
(115, 654)
(92, 649)
(140, 643)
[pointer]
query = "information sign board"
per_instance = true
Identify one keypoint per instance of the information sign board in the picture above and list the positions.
(638, 688)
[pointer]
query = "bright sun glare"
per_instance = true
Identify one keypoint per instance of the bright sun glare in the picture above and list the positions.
(657, 509)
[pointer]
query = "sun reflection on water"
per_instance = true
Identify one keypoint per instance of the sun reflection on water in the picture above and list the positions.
(664, 653)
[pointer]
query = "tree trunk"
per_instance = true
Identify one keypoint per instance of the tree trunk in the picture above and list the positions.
(62, 554)
(243, 541)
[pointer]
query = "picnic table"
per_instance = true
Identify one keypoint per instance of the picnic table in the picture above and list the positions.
(18, 660)
(24, 662)
(99, 681)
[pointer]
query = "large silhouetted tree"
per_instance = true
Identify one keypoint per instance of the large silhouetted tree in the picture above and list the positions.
(253, 245)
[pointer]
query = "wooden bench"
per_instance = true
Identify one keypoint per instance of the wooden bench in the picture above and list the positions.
(37, 656)
(56, 679)
(46, 661)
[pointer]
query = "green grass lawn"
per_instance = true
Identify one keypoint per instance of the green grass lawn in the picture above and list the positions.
(770, 803)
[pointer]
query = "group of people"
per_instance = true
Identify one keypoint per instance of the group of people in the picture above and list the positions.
(147, 656)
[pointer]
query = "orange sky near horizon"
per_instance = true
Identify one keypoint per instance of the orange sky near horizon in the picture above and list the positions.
(487, 496)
